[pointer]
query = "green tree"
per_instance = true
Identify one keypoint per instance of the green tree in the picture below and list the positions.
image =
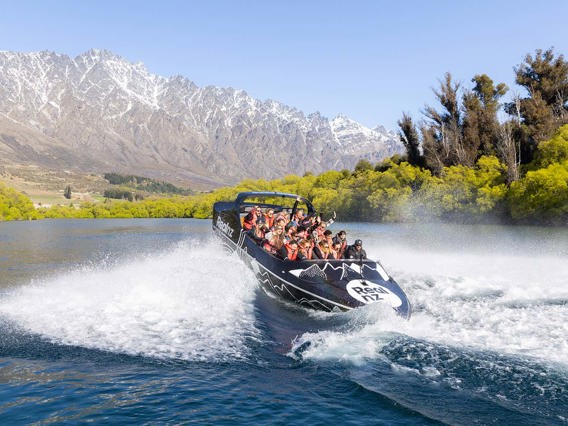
(481, 127)
(392, 201)
(554, 150)
(15, 205)
(545, 78)
(362, 166)
(546, 75)
(541, 196)
(467, 193)
(442, 137)
(67, 192)
(410, 139)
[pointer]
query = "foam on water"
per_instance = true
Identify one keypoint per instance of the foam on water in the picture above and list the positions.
(511, 304)
(193, 302)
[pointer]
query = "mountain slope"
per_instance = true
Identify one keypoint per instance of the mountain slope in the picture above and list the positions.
(100, 113)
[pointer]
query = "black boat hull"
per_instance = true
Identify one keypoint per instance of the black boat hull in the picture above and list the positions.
(328, 285)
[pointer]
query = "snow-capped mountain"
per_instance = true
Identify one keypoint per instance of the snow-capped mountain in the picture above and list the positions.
(100, 113)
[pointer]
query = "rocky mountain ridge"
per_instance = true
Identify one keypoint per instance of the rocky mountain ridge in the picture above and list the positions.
(99, 113)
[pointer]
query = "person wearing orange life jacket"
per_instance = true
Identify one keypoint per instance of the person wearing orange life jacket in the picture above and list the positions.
(318, 232)
(341, 237)
(258, 233)
(304, 250)
(269, 218)
(336, 250)
(322, 251)
(251, 218)
(274, 240)
(328, 236)
(289, 250)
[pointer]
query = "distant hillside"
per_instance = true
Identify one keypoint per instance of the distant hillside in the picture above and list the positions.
(98, 112)
(144, 184)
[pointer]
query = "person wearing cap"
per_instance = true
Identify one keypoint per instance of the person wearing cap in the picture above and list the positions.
(356, 251)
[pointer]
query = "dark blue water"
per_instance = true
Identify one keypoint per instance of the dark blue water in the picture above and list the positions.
(147, 321)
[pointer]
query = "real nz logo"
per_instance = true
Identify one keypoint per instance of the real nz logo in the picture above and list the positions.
(224, 227)
(368, 292)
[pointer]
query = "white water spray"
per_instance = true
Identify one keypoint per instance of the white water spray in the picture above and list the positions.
(191, 303)
(513, 303)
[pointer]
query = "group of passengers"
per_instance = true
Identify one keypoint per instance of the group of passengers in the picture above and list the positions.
(299, 237)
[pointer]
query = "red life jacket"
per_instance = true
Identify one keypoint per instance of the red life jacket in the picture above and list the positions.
(250, 220)
(292, 254)
(269, 247)
(269, 220)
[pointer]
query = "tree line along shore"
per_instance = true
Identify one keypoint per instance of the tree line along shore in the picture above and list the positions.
(391, 191)
(461, 164)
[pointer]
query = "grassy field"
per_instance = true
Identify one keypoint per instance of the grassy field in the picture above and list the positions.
(46, 187)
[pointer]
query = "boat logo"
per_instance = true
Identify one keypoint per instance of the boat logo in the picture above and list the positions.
(224, 227)
(367, 292)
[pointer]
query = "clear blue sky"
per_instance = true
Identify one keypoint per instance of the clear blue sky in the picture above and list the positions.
(370, 60)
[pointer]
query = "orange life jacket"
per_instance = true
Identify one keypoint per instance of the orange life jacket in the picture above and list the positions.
(269, 247)
(250, 220)
(269, 220)
(291, 253)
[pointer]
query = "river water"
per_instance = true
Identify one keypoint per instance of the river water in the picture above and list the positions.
(148, 321)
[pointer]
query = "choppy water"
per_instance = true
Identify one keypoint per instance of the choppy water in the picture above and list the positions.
(147, 321)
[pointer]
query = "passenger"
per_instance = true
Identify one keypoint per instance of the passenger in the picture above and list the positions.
(311, 222)
(320, 231)
(322, 251)
(341, 237)
(258, 233)
(336, 251)
(356, 251)
(276, 240)
(269, 217)
(289, 250)
(278, 223)
(298, 216)
(251, 218)
(280, 220)
(301, 232)
(328, 236)
(307, 222)
(290, 232)
(304, 250)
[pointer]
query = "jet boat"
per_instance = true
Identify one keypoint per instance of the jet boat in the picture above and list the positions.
(328, 285)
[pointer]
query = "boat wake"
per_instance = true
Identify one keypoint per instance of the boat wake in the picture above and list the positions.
(177, 304)
(514, 305)
(496, 332)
